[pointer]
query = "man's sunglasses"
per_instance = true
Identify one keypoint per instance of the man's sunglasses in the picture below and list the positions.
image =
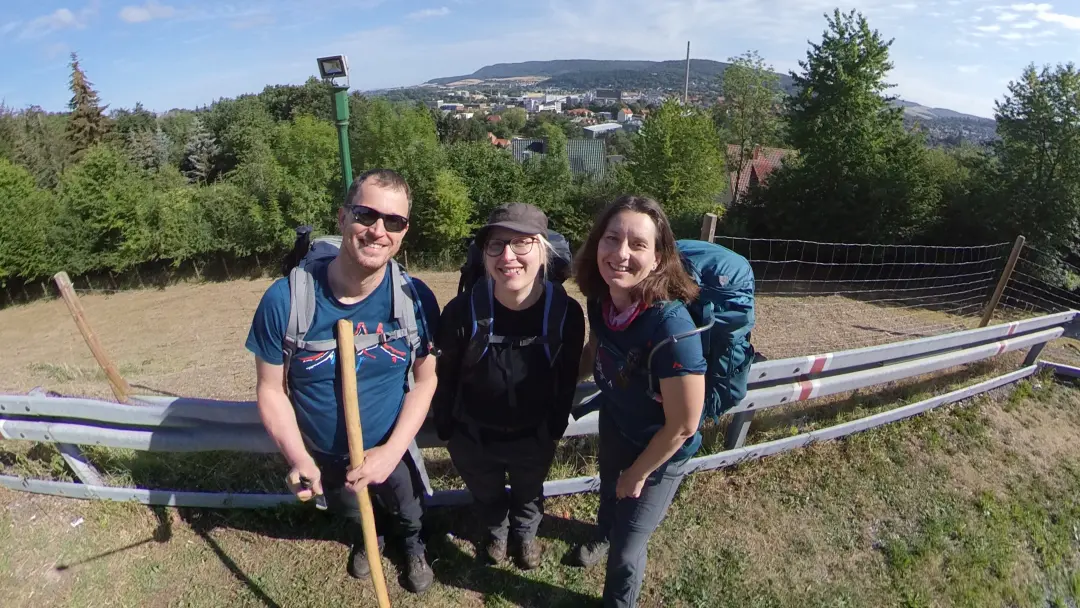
(367, 216)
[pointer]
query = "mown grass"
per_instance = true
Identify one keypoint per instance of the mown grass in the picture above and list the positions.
(976, 504)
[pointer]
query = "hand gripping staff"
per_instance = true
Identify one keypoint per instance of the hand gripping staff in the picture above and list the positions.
(350, 401)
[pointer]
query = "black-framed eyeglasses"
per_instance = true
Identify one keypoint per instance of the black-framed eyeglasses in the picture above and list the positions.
(521, 245)
(367, 216)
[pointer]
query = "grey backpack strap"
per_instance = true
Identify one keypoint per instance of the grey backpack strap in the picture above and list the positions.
(405, 313)
(301, 315)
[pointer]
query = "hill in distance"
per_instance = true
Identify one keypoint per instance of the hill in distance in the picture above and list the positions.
(584, 74)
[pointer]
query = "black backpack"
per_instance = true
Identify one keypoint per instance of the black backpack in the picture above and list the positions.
(481, 309)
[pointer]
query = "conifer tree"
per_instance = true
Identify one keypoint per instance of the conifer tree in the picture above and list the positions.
(200, 152)
(88, 124)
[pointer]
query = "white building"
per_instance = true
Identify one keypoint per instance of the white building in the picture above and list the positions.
(602, 129)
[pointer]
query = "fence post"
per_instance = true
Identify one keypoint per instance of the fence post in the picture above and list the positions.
(735, 435)
(708, 227)
(119, 386)
(1006, 274)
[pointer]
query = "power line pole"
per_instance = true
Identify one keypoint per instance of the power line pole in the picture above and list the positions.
(686, 88)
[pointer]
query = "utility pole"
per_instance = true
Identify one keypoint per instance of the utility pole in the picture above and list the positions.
(686, 88)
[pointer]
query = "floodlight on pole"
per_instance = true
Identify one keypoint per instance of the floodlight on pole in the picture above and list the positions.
(335, 72)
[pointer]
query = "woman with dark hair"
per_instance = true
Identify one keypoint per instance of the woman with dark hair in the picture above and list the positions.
(637, 289)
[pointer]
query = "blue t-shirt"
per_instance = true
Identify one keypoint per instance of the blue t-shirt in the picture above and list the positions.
(624, 394)
(381, 378)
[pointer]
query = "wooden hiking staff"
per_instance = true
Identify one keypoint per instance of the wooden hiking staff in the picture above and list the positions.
(351, 403)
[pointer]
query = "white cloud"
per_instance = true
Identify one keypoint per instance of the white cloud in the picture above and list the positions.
(1025, 25)
(968, 69)
(1008, 17)
(429, 13)
(7, 28)
(1069, 21)
(147, 12)
(60, 19)
(988, 28)
(1012, 36)
(907, 6)
(1031, 8)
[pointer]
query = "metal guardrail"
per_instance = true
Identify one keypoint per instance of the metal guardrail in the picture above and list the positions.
(172, 424)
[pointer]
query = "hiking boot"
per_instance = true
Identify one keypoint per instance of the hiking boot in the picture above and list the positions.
(589, 554)
(494, 550)
(418, 574)
(529, 554)
(358, 566)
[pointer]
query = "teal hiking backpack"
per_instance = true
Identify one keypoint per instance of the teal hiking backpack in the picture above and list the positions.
(724, 314)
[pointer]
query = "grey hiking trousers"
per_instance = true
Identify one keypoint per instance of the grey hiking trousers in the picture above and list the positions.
(628, 523)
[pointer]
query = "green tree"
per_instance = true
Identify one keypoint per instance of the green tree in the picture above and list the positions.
(748, 117)
(307, 150)
(148, 150)
(100, 222)
(177, 125)
(313, 98)
(859, 176)
(444, 220)
(200, 153)
(548, 178)
(492, 175)
(135, 120)
(1032, 184)
(514, 119)
(87, 124)
(40, 145)
(25, 215)
(677, 159)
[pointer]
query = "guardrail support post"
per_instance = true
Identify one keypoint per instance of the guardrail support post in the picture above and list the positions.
(1033, 354)
(119, 386)
(735, 436)
(708, 227)
(1006, 274)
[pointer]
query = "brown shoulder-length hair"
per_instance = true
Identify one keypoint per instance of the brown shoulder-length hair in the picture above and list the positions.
(669, 281)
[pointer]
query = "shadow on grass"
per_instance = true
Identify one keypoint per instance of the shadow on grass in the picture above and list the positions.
(455, 567)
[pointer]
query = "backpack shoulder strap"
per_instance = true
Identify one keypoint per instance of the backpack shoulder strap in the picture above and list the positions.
(481, 316)
(301, 311)
(404, 300)
(555, 307)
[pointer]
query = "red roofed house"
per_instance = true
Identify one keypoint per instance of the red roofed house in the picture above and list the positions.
(754, 170)
(498, 142)
(583, 112)
(493, 118)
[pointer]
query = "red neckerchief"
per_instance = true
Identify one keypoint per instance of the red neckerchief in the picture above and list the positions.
(618, 321)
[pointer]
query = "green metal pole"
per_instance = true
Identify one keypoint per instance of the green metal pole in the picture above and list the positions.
(341, 116)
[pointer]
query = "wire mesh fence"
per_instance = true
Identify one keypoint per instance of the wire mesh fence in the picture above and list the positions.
(1042, 282)
(821, 297)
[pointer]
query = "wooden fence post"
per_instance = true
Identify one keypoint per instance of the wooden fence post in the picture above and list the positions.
(708, 227)
(119, 386)
(1006, 274)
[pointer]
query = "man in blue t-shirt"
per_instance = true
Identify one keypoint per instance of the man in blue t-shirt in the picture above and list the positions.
(301, 412)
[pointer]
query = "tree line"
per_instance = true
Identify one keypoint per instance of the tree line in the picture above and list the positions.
(99, 190)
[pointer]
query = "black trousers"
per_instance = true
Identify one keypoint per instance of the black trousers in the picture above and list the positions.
(396, 501)
(487, 463)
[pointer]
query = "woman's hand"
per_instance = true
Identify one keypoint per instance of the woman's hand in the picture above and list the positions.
(630, 484)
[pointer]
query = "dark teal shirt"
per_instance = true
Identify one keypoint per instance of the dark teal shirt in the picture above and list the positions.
(625, 394)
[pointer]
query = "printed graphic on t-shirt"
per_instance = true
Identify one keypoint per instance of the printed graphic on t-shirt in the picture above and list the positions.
(372, 352)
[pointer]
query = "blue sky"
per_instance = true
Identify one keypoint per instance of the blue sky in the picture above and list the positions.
(958, 54)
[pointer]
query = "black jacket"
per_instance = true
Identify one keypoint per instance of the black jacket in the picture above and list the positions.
(544, 393)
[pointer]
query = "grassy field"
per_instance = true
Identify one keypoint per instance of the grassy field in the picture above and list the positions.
(973, 505)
